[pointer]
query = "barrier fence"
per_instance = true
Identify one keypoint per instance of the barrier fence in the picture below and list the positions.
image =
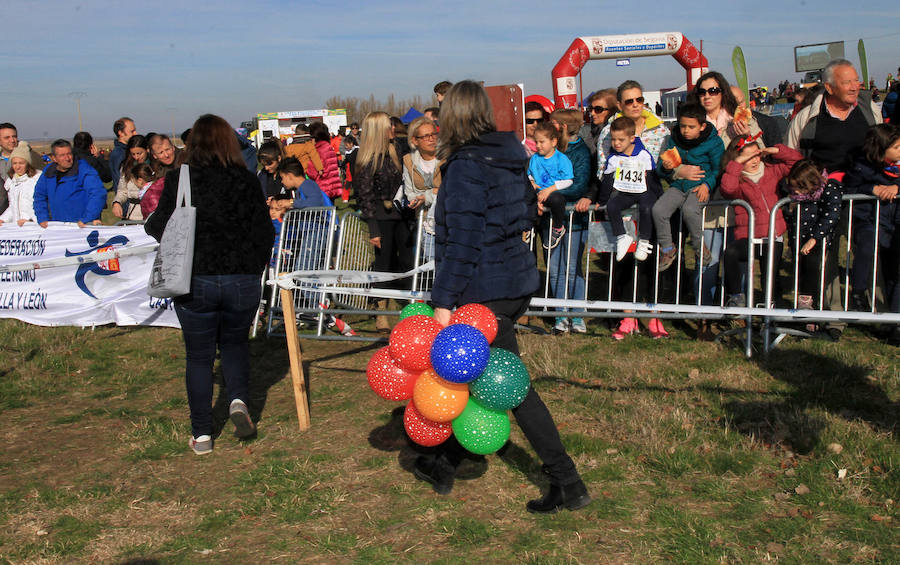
(579, 281)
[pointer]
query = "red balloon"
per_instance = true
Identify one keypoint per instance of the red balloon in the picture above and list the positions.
(478, 316)
(410, 342)
(422, 430)
(388, 380)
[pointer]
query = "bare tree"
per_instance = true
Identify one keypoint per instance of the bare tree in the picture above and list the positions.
(357, 108)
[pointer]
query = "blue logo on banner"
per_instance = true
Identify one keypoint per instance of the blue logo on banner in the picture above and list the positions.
(93, 240)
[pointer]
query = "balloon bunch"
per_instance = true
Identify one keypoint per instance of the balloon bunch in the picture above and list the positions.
(456, 383)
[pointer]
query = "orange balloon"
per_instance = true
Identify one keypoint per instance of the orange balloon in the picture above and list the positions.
(437, 399)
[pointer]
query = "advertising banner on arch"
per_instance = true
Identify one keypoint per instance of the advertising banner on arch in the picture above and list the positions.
(60, 288)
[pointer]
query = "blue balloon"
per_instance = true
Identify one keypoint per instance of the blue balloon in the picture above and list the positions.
(460, 353)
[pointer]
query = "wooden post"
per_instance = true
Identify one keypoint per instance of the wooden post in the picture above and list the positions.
(293, 345)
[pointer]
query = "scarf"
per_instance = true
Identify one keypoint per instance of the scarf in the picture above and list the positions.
(419, 165)
(689, 144)
(755, 177)
(813, 196)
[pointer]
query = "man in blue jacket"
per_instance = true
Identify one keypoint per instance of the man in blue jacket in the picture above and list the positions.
(69, 190)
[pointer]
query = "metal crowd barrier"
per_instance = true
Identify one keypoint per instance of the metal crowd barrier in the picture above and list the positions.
(346, 247)
(844, 230)
(306, 242)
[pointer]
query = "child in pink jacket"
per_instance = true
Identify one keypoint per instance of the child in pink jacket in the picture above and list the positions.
(748, 177)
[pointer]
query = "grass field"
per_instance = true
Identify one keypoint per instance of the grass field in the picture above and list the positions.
(692, 454)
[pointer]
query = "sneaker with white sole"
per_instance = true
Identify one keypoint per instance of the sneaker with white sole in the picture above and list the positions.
(240, 417)
(561, 326)
(579, 326)
(627, 326)
(643, 250)
(201, 445)
(623, 242)
(556, 235)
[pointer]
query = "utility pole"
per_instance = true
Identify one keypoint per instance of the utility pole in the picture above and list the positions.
(172, 115)
(78, 96)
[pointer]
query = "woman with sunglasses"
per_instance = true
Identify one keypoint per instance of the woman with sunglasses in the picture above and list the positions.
(715, 95)
(652, 131)
(422, 177)
(601, 106)
(534, 115)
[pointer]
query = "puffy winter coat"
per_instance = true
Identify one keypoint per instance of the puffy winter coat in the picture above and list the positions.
(78, 195)
(329, 178)
(20, 190)
(485, 204)
(761, 196)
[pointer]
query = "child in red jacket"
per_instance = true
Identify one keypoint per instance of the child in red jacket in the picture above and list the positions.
(748, 177)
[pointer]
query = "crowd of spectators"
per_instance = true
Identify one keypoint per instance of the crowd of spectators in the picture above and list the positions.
(622, 154)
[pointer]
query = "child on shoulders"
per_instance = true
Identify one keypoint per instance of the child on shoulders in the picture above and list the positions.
(550, 170)
(689, 160)
(630, 177)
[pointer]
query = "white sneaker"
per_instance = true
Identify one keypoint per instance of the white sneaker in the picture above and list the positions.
(623, 242)
(240, 417)
(644, 249)
(202, 445)
(561, 326)
(579, 326)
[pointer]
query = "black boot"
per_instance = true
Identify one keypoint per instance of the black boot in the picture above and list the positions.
(435, 471)
(572, 497)
(894, 337)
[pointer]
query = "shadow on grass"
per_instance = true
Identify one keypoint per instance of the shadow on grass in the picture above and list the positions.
(392, 437)
(705, 388)
(269, 364)
(817, 382)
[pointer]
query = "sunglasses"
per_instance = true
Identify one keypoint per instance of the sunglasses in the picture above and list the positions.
(530, 121)
(714, 91)
(598, 109)
(630, 101)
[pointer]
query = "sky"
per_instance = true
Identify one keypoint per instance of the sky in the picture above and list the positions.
(166, 65)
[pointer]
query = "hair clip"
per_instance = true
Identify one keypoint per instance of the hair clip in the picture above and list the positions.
(748, 140)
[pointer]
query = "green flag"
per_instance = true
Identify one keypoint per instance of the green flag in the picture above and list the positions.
(863, 64)
(740, 72)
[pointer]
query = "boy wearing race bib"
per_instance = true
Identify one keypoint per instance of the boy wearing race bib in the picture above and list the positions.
(630, 178)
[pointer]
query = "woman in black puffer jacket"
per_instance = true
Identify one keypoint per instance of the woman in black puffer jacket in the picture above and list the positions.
(486, 203)
(232, 244)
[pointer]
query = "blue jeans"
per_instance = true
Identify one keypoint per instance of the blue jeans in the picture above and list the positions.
(217, 313)
(563, 267)
(714, 239)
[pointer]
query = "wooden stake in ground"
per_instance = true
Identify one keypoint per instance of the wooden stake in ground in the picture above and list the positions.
(293, 345)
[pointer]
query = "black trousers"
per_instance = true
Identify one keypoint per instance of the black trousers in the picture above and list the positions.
(620, 201)
(736, 253)
(532, 415)
(396, 252)
(556, 203)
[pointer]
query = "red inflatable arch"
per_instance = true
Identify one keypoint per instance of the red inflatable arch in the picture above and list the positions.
(584, 49)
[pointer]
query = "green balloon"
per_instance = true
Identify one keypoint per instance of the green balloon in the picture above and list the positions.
(416, 309)
(504, 383)
(481, 430)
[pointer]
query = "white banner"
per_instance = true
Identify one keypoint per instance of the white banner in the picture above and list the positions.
(47, 276)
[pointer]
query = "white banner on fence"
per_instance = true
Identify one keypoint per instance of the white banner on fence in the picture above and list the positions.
(82, 293)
